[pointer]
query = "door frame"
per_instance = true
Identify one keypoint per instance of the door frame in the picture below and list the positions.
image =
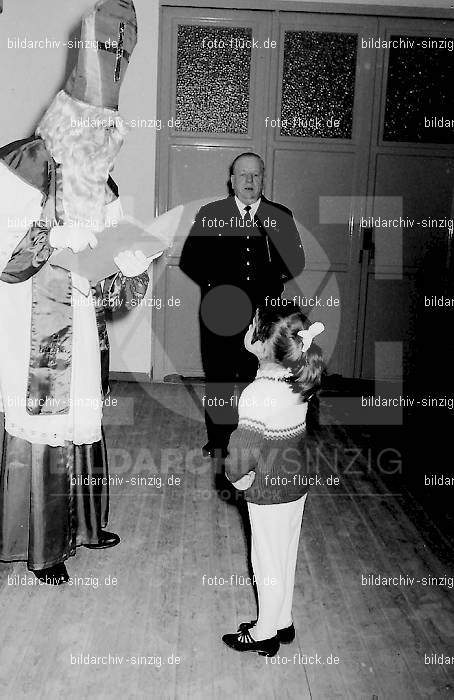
(166, 92)
(387, 26)
(254, 139)
(379, 12)
(322, 7)
(360, 141)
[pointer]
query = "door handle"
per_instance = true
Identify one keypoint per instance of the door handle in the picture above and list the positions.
(367, 243)
(449, 246)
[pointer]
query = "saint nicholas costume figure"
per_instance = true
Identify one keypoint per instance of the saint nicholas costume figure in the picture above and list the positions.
(56, 193)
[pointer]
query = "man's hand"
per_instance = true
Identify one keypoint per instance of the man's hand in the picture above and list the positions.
(76, 238)
(245, 482)
(133, 264)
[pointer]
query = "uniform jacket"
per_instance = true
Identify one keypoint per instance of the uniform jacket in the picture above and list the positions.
(220, 249)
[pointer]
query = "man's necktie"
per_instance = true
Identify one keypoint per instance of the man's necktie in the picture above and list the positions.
(247, 216)
(261, 228)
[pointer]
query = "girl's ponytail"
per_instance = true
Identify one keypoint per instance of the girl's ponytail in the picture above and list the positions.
(289, 336)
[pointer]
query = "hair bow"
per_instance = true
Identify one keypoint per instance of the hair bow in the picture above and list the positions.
(309, 334)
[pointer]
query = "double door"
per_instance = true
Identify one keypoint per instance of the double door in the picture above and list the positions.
(336, 104)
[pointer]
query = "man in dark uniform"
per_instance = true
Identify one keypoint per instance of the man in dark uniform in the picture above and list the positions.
(240, 250)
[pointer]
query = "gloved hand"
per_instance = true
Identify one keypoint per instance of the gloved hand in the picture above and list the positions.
(133, 264)
(77, 238)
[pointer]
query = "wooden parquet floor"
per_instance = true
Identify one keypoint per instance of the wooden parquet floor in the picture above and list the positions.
(148, 614)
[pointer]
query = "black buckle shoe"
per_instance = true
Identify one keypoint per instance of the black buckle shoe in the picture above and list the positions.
(242, 641)
(53, 575)
(105, 540)
(286, 635)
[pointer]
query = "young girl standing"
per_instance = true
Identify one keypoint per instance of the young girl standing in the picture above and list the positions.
(266, 462)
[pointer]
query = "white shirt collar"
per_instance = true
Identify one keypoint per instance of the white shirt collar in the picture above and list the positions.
(241, 206)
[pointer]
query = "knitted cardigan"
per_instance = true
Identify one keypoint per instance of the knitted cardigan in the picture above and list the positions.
(272, 423)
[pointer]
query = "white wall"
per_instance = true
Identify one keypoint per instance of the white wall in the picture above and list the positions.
(30, 78)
